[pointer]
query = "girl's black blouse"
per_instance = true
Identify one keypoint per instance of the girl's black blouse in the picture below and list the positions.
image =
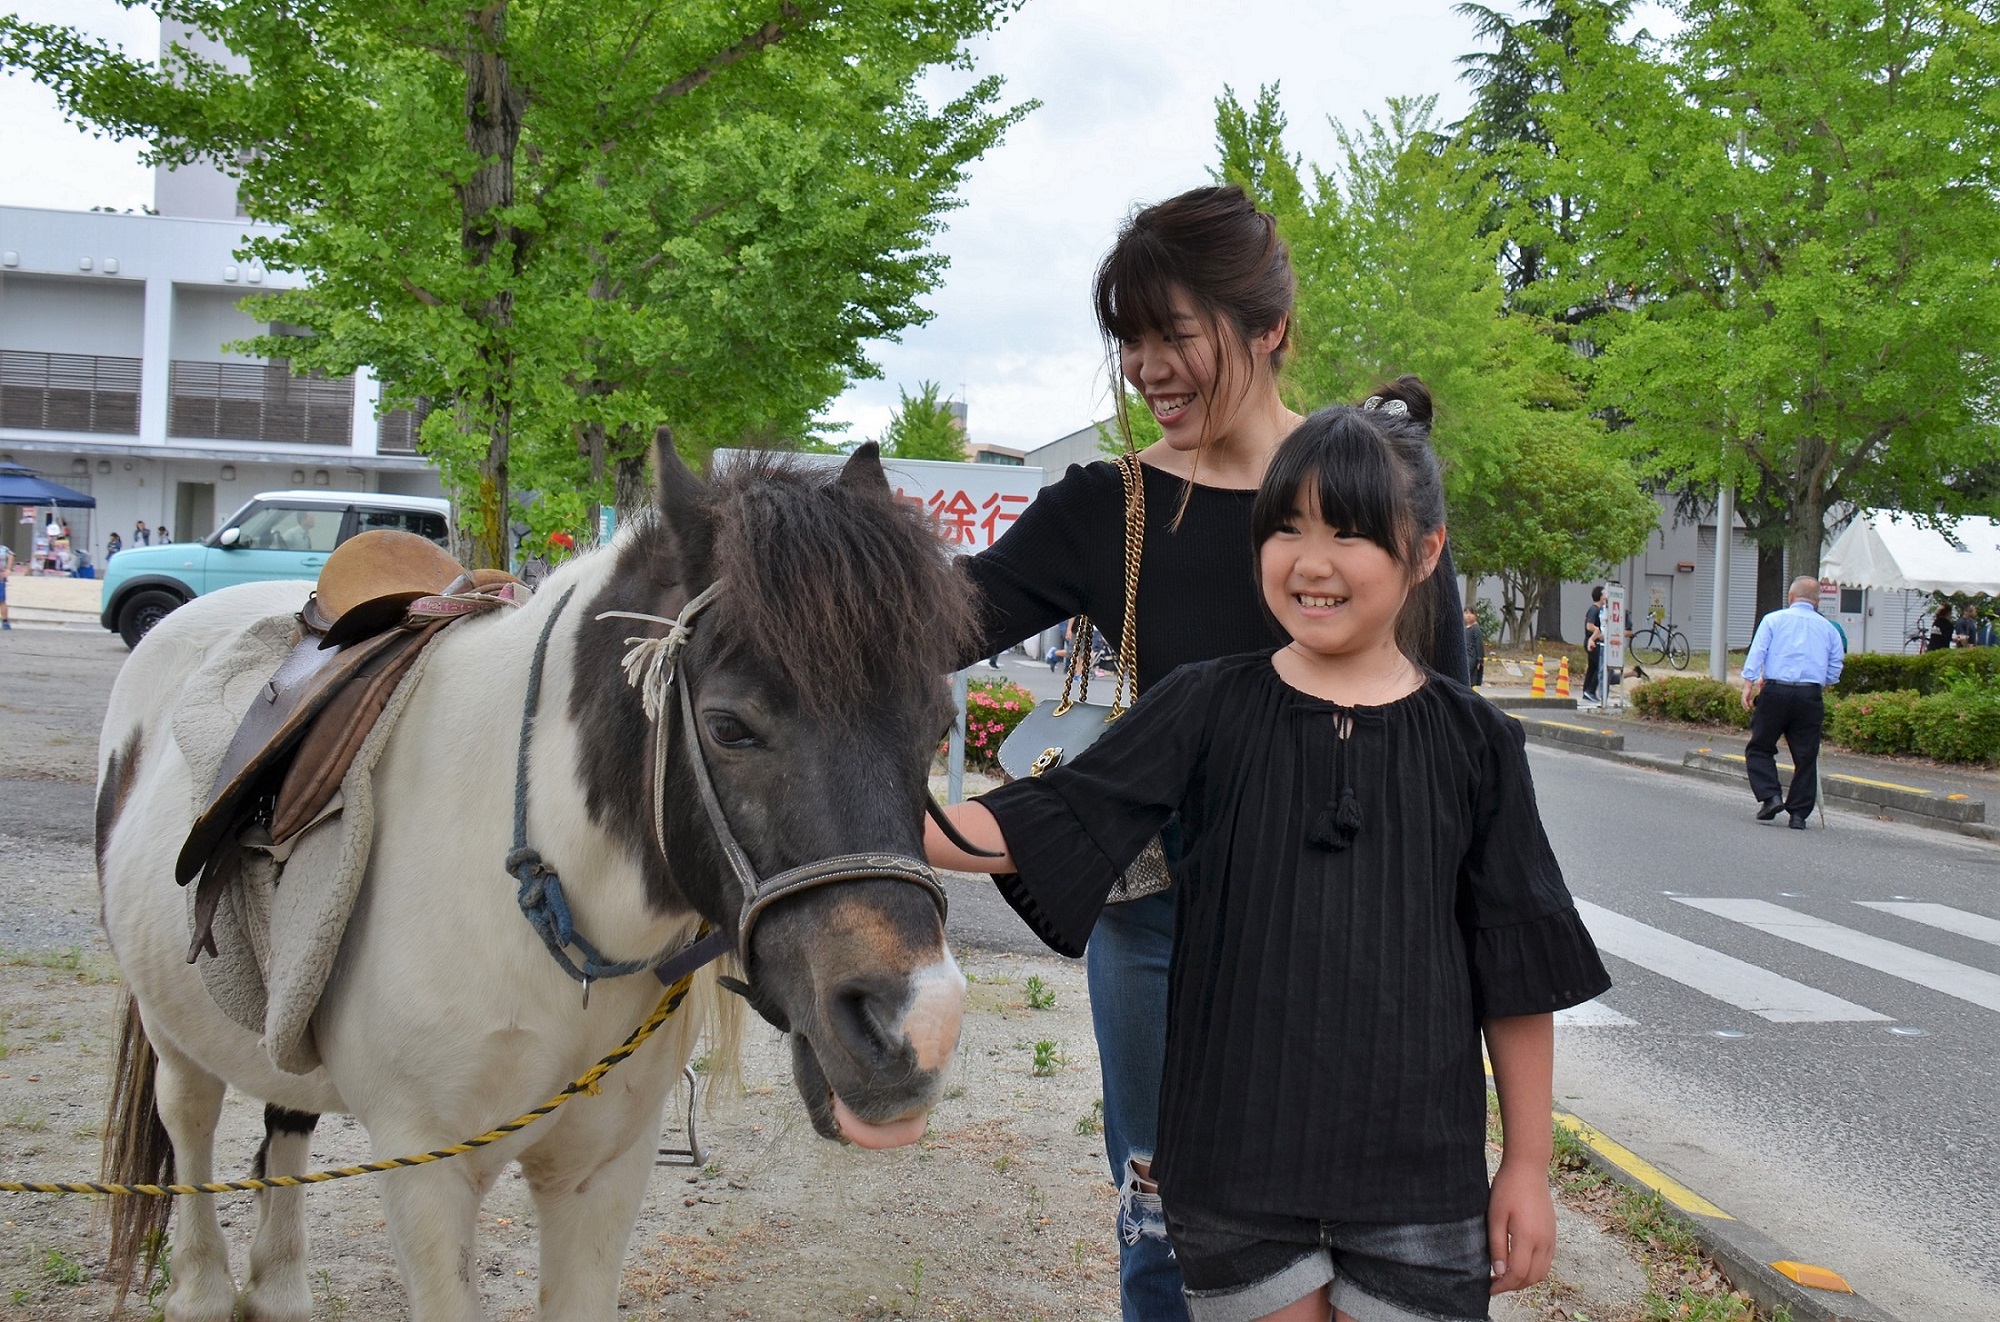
(1198, 591)
(1323, 1044)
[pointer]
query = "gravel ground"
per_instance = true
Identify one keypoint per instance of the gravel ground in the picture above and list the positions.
(1002, 1212)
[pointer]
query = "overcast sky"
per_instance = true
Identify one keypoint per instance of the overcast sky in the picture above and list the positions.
(1127, 90)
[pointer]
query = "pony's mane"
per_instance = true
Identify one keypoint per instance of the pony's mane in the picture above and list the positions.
(838, 586)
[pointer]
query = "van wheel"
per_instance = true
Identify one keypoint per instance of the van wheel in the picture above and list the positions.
(146, 609)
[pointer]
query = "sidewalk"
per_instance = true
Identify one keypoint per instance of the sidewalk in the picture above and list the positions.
(52, 601)
(1963, 799)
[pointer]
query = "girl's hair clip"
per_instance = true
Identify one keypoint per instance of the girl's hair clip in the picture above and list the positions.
(1376, 402)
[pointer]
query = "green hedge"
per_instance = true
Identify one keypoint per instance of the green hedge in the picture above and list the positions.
(1932, 672)
(1962, 725)
(1696, 701)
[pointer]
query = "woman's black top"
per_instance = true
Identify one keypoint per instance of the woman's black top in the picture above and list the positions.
(1198, 592)
(1323, 1043)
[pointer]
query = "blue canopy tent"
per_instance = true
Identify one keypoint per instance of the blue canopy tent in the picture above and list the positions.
(24, 486)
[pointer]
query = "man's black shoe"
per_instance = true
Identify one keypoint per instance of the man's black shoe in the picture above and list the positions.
(1770, 808)
(1800, 823)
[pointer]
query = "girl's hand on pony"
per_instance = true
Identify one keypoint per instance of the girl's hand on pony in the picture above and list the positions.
(1520, 1225)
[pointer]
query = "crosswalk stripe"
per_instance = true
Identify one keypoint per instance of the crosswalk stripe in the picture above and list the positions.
(1975, 925)
(1926, 970)
(1712, 973)
(1592, 1014)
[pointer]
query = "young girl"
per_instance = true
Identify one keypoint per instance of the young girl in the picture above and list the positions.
(1366, 887)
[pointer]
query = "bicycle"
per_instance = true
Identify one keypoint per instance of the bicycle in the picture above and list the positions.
(1660, 641)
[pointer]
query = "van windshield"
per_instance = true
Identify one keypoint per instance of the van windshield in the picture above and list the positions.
(285, 528)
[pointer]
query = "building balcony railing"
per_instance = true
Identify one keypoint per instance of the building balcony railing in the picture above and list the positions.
(396, 431)
(69, 392)
(258, 402)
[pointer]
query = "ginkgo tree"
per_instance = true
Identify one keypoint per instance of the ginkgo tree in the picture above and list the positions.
(1791, 223)
(562, 221)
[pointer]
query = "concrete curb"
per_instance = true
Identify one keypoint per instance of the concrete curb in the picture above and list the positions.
(1957, 809)
(1545, 731)
(1914, 807)
(1518, 702)
(1746, 1255)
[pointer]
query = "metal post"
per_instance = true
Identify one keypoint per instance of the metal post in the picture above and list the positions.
(954, 766)
(1718, 611)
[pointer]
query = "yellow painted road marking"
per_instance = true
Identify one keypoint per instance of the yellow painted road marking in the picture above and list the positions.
(1852, 780)
(1641, 1170)
(1819, 1278)
(1565, 725)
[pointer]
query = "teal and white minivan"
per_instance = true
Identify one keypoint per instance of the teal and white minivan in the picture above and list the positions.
(278, 534)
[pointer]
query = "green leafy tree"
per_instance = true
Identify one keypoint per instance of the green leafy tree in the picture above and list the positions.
(924, 428)
(1398, 268)
(1793, 208)
(561, 222)
(1139, 421)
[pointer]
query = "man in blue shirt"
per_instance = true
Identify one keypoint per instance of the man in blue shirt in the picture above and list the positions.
(1795, 654)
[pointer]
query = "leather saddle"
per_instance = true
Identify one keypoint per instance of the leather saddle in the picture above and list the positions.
(382, 597)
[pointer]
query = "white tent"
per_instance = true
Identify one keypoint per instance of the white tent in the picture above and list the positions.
(1884, 549)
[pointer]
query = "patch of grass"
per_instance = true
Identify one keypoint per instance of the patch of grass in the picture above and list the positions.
(68, 959)
(1002, 1162)
(63, 1269)
(1040, 995)
(22, 1296)
(1049, 1058)
(1092, 1122)
(28, 1123)
(336, 1304)
(917, 1279)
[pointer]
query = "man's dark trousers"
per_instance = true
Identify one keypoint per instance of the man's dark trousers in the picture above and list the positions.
(1592, 670)
(1798, 712)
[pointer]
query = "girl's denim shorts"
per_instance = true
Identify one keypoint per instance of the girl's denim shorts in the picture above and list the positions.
(1241, 1266)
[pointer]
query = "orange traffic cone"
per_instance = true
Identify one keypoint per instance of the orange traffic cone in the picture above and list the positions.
(1562, 679)
(1540, 688)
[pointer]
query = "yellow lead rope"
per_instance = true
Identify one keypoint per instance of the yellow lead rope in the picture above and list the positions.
(584, 1083)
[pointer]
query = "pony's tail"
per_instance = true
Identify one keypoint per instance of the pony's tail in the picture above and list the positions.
(137, 1150)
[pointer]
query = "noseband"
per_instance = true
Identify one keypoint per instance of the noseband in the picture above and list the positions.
(652, 666)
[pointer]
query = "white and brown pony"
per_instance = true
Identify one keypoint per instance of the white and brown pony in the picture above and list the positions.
(815, 705)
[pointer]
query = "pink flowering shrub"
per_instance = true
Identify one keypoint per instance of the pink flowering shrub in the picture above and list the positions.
(993, 707)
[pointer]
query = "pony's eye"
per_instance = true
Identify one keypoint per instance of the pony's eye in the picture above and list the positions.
(728, 731)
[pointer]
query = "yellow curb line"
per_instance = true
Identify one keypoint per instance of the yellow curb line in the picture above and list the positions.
(1852, 780)
(1645, 1172)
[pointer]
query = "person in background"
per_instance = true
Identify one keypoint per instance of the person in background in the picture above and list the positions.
(165, 538)
(6, 568)
(1593, 647)
(1966, 630)
(1475, 648)
(112, 546)
(141, 534)
(1989, 630)
(1940, 630)
(1794, 655)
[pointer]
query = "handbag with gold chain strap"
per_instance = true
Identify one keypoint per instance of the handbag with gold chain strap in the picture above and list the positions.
(1059, 729)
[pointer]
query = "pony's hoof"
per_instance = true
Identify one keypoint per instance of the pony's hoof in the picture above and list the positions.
(202, 1300)
(266, 1301)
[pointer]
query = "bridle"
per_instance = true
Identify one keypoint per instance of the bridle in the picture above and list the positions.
(652, 666)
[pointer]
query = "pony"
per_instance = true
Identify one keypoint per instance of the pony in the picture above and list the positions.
(814, 684)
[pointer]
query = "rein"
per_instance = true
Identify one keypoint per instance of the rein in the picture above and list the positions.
(652, 665)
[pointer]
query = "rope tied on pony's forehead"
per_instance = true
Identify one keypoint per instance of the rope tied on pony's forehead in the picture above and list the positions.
(649, 665)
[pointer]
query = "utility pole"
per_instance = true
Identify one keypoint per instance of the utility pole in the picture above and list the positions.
(1718, 612)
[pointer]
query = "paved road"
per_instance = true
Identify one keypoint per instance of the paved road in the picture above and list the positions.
(1805, 1024)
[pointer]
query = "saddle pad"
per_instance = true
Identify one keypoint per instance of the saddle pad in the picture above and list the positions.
(279, 919)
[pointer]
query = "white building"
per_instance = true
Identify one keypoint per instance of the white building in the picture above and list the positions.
(115, 378)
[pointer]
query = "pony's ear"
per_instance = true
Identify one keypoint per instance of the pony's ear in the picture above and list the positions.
(683, 505)
(864, 468)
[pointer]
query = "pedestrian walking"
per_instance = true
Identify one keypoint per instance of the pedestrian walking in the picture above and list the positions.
(166, 538)
(1322, 1134)
(1194, 301)
(1940, 635)
(6, 568)
(112, 546)
(1794, 655)
(1593, 647)
(1475, 648)
(141, 535)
